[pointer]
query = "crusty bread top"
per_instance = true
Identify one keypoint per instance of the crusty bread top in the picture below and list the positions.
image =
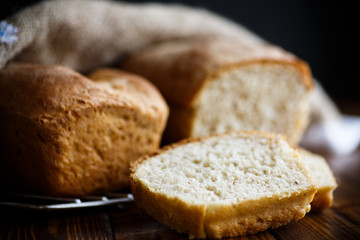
(68, 135)
(117, 82)
(179, 68)
(225, 168)
(46, 90)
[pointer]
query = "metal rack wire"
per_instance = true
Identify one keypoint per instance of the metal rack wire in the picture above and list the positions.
(37, 202)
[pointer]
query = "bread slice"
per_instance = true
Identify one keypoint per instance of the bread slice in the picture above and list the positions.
(224, 185)
(63, 134)
(323, 176)
(217, 84)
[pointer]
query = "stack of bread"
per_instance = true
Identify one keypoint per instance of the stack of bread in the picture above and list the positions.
(238, 109)
(229, 184)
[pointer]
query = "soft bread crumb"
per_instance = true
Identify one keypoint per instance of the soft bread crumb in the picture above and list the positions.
(237, 183)
(219, 84)
(253, 96)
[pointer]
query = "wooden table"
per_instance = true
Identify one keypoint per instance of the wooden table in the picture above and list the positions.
(341, 221)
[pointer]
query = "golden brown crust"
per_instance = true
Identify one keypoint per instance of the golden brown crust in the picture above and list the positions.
(253, 216)
(179, 125)
(181, 67)
(179, 213)
(305, 69)
(202, 221)
(135, 86)
(299, 64)
(138, 83)
(218, 221)
(66, 135)
(322, 199)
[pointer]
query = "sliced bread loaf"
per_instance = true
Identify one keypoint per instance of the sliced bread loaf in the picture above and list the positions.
(217, 84)
(224, 185)
(323, 176)
(63, 134)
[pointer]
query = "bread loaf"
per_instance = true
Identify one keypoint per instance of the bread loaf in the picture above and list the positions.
(217, 84)
(224, 185)
(63, 134)
(323, 176)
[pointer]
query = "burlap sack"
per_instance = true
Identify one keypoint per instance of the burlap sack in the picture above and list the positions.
(84, 35)
(87, 34)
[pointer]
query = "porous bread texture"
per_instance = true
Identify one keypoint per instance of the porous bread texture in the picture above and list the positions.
(217, 84)
(323, 176)
(63, 134)
(264, 96)
(224, 185)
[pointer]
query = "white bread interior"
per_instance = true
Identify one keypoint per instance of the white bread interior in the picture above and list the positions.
(217, 84)
(266, 96)
(224, 185)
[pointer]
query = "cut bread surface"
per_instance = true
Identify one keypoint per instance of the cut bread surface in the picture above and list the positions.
(253, 96)
(233, 184)
(231, 169)
(218, 84)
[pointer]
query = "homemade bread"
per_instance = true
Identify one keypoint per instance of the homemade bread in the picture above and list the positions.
(217, 84)
(63, 134)
(224, 185)
(323, 176)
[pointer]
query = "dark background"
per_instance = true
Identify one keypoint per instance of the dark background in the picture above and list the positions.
(321, 33)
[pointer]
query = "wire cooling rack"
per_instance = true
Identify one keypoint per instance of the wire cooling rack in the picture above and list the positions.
(37, 202)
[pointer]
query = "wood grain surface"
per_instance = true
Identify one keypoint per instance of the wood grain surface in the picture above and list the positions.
(341, 221)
